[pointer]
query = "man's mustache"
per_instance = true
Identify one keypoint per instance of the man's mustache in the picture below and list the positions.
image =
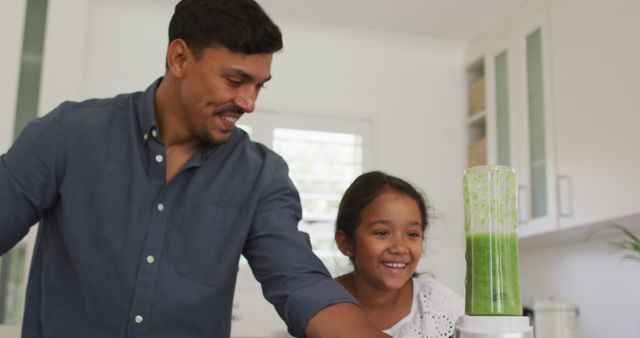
(229, 109)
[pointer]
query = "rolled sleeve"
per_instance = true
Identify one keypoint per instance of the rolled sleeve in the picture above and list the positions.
(311, 300)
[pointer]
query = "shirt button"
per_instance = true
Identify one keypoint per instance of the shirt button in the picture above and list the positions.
(159, 158)
(150, 259)
(145, 136)
(138, 319)
(160, 207)
(154, 133)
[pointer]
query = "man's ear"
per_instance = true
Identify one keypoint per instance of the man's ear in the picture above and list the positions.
(345, 244)
(177, 54)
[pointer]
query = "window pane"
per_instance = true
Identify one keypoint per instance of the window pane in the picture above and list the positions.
(321, 165)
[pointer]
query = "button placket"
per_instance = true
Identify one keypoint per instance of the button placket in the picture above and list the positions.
(144, 292)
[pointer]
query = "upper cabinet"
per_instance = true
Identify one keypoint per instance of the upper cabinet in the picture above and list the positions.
(597, 109)
(518, 122)
(562, 108)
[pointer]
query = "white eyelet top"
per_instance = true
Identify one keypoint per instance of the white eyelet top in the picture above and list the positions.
(434, 311)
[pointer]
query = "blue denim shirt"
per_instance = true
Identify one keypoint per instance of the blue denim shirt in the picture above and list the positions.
(119, 253)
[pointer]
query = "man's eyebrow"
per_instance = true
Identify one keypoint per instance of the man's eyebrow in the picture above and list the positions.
(246, 76)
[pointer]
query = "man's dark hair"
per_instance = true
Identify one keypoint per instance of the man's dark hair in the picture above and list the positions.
(241, 26)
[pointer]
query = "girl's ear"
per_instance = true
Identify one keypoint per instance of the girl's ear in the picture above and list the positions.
(345, 244)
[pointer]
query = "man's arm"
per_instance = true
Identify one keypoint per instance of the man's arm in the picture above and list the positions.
(28, 179)
(343, 320)
(293, 278)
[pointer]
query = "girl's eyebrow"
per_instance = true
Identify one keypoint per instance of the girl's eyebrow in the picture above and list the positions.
(379, 221)
(388, 222)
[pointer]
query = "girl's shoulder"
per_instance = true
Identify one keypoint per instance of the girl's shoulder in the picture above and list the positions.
(435, 296)
(437, 307)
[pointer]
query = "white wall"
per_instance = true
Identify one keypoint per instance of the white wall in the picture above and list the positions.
(595, 278)
(63, 63)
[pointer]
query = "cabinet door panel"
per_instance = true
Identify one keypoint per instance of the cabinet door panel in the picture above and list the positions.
(597, 110)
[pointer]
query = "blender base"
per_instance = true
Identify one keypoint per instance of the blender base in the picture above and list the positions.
(493, 327)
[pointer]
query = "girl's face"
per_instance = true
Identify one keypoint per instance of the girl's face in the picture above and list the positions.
(388, 241)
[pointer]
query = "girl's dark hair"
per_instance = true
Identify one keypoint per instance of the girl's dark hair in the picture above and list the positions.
(364, 190)
(239, 25)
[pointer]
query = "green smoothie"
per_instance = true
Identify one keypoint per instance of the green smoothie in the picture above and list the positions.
(493, 279)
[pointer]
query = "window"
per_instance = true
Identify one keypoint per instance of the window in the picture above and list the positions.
(324, 156)
(321, 165)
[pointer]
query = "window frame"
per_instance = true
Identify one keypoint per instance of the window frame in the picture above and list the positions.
(264, 122)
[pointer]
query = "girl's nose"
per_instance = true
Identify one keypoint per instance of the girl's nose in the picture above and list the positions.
(398, 247)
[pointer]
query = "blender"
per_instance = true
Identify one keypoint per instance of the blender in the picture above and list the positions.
(492, 295)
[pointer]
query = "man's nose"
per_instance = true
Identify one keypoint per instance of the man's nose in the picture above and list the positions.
(246, 99)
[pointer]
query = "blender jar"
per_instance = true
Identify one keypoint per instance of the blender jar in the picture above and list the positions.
(491, 219)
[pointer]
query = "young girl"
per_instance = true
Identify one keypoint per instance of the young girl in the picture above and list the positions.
(380, 227)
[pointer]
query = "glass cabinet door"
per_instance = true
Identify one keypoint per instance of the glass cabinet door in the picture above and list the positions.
(502, 110)
(536, 115)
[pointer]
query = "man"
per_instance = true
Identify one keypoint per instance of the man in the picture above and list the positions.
(147, 200)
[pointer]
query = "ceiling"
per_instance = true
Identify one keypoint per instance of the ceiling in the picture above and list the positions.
(459, 20)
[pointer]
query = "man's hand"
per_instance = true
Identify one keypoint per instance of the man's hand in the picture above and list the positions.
(343, 320)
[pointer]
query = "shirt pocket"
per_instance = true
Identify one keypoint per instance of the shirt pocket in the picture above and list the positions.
(209, 251)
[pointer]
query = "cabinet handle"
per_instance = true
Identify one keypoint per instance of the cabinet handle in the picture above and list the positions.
(565, 196)
(522, 218)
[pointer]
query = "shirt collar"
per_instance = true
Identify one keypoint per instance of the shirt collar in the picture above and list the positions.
(146, 114)
(147, 118)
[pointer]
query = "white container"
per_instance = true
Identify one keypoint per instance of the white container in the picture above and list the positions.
(493, 327)
(555, 319)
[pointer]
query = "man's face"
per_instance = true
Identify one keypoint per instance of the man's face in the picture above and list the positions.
(217, 88)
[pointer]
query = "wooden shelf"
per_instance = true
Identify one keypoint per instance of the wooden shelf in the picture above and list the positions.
(477, 117)
(476, 126)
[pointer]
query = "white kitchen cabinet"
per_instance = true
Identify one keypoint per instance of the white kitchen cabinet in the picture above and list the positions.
(534, 151)
(567, 120)
(597, 110)
(519, 123)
